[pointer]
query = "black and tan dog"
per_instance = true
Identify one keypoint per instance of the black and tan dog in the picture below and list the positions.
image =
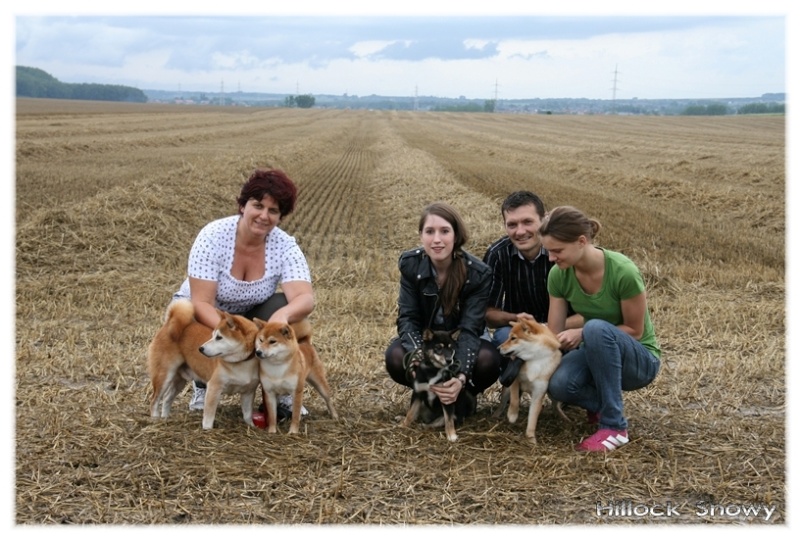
(435, 364)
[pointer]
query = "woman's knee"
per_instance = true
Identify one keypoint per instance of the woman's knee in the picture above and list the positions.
(393, 358)
(558, 386)
(596, 328)
(487, 368)
(569, 378)
(265, 310)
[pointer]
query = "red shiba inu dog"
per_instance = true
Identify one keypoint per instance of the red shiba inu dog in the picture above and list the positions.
(183, 350)
(285, 363)
(539, 349)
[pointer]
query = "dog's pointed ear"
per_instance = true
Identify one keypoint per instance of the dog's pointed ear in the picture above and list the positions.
(427, 335)
(529, 326)
(230, 320)
(287, 331)
(226, 316)
(259, 323)
(513, 323)
(454, 335)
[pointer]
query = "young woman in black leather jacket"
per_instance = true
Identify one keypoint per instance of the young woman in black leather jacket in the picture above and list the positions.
(443, 286)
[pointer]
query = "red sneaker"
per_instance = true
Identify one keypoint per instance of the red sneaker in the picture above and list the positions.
(604, 440)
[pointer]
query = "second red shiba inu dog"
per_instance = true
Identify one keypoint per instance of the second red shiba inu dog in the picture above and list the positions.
(285, 363)
(536, 345)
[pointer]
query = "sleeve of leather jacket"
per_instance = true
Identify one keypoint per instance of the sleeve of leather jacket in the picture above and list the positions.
(409, 325)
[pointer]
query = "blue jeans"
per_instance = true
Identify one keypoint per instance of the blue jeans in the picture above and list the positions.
(594, 376)
(500, 335)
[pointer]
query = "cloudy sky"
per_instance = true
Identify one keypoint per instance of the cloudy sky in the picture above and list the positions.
(508, 54)
(693, 49)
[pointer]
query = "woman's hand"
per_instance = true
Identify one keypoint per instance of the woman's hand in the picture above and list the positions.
(448, 391)
(280, 317)
(204, 294)
(570, 339)
(299, 302)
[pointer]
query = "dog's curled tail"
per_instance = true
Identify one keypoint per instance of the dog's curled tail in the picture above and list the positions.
(180, 314)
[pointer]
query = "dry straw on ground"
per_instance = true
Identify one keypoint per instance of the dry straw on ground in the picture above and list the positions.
(110, 197)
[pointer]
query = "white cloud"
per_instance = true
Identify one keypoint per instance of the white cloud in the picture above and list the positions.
(364, 49)
(242, 60)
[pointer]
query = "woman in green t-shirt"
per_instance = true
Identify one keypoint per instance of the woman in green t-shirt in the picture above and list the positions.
(616, 350)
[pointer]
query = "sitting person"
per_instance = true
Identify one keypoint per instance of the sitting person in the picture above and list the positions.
(616, 350)
(519, 274)
(237, 263)
(444, 287)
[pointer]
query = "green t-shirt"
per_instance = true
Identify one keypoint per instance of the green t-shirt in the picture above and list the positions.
(621, 280)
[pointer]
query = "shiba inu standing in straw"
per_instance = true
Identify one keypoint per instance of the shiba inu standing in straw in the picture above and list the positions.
(539, 351)
(185, 350)
(287, 359)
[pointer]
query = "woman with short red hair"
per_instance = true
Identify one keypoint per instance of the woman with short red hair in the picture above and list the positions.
(237, 263)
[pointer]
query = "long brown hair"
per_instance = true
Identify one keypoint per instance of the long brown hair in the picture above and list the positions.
(457, 275)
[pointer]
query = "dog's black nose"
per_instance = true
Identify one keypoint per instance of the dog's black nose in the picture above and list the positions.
(201, 350)
(259, 353)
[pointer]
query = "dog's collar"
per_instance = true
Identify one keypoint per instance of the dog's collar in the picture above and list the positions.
(454, 368)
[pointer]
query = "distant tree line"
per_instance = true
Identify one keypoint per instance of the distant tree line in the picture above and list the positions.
(304, 101)
(33, 82)
(721, 109)
(763, 108)
(488, 106)
(710, 109)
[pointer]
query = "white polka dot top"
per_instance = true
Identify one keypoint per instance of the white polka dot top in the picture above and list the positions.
(211, 259)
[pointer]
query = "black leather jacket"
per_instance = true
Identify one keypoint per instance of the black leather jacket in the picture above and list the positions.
(418, 303)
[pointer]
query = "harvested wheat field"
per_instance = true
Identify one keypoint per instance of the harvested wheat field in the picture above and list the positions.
(110, 197)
